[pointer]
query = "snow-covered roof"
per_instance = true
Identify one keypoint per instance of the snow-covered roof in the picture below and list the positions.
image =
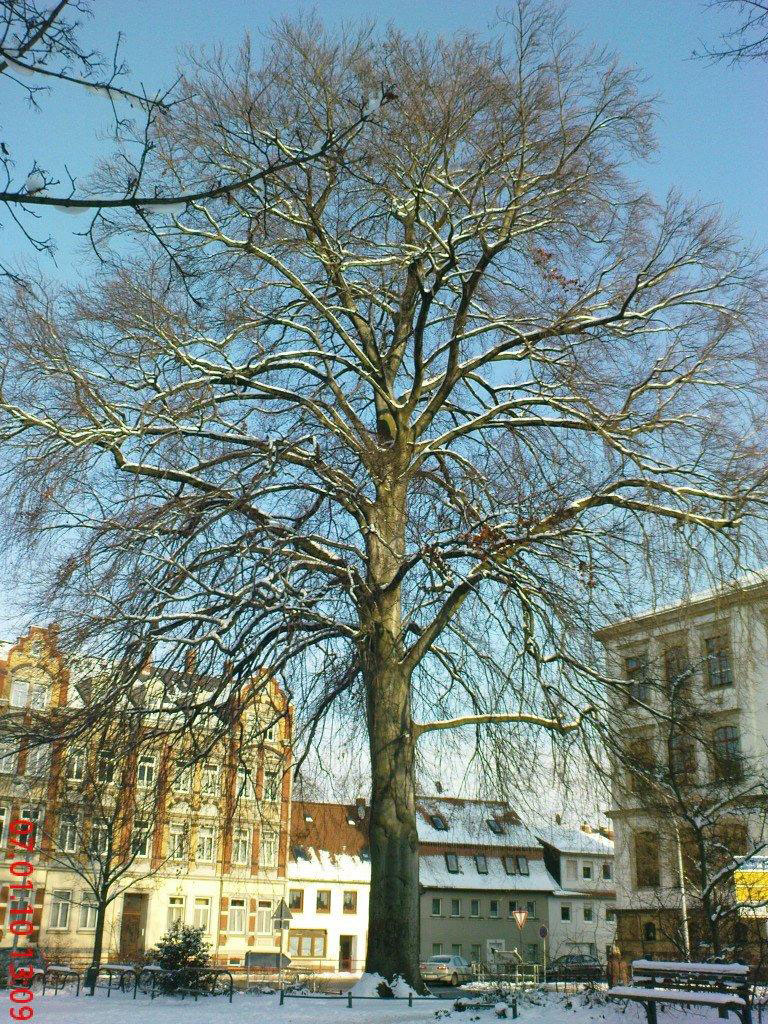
(434, 874)
(312, 865)
(467, 824)
(574, 840)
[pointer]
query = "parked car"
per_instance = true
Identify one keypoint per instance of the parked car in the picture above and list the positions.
(36, 962)
(575, 967)
(451, 970)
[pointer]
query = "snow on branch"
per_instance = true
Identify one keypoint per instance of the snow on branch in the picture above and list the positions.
(552, 724)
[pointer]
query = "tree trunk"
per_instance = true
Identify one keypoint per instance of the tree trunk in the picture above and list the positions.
(98, 945)
(393, 932)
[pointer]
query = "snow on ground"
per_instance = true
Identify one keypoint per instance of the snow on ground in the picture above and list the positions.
(538, 1008)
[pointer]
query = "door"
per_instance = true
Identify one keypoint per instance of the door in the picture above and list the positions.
(132, 926)
(345, 952)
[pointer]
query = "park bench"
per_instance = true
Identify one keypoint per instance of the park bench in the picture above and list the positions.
(725, 987)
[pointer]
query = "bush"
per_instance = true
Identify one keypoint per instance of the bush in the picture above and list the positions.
(181, 949)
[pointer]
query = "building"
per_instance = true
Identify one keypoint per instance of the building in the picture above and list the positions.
(582, 912)
(329, 879)
(478, 865)
(708, 655)
(204, 838)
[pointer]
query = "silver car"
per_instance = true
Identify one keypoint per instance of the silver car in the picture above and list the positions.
(450, 969)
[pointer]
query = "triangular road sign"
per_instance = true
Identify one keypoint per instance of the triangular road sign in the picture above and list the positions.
(520, 916)
(282, 914)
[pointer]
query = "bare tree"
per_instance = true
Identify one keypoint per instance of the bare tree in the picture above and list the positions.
(41, 48)
(748, 40)
(431, 395)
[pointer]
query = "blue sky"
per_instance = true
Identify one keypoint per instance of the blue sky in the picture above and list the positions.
(713, 142)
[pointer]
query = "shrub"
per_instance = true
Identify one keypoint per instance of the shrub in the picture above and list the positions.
(181, 949)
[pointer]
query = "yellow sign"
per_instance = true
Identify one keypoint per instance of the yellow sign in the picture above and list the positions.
(751, 885)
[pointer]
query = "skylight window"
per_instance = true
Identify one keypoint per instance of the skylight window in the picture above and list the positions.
(510, 865)
(522, 865)
(481, 863)
(495, 827)
(438, 822)
(452, 863)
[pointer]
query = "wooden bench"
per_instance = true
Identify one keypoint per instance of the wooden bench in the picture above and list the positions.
(725, 987)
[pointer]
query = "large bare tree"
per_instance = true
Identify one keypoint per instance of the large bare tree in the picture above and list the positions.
(429, 394)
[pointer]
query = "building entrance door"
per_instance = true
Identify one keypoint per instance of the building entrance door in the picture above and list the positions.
(345, 952)
(132, 926)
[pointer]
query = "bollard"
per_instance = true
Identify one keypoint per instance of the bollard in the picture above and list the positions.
(349, 999)
(514, 1008)
(282, 996)
(410, 999)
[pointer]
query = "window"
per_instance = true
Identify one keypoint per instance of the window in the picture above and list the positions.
(272, 781)
(495, 827)
(437, 948)
(511, 908)
(436, 907)
(182, 779)
(530, 906)
(649, 932)
(245, 786)
(641, 763)
(475, 951)
(236, 921)
(34, 814)
(571, 869)
(100, 836)
(296, 900)
(323, 902)
(177, 842)
(60, 904)
(452, 863)
(306, 944)
(438, 822)
(68, 833)
(105, 767)
(75, 766)
(587, 910)
(28, 695)
(202, 913)
(7, 758)
(586, 871)
(3, 823)
(241, 846)
(676, 669)
(268, 849)
(636, 673)
(522, 865)
(175, 911)
(37, 761)
(493, 908)
(682, 760)
(510, 865)
(726, 751)
(474, 908)
(565, 912)
(607, 870)
(145, 771)
(481, 863)
(647, 860)
(88, 912)
(349, 902)
(610, 913)
(271, 733)
(140, 839)
(264, 918)
(718, 658)
(205, 844)
(209, 780)
(456, 949)
(455, 908)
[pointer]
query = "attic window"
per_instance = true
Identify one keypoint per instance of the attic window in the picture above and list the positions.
(308, 817)
(495, 827)
(452, 863)
(510, 865)
(351, 821)
(481, 863)
(300, 853)
(522, 866)
(438, 822)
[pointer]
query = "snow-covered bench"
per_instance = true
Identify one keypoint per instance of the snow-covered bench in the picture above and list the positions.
(723, 986)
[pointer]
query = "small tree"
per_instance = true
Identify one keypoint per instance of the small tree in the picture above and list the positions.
(182, 949)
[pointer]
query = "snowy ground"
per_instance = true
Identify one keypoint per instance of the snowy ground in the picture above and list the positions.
(538, 1009)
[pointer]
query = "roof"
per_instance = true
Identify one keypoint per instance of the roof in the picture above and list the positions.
(732, 592)
(308, 864)
(329, 842)
(434, 874)
(574, 840)
(467, 823)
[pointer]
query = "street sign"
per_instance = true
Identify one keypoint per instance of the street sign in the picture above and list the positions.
(520, 916)
(543, 932)
(282, 915)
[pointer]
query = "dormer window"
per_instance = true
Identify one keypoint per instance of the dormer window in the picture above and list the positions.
(510, 865)
(308, 818)
(481, 863)
(438, 822)
(522, 866)
(495, 827)
(452, 863)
